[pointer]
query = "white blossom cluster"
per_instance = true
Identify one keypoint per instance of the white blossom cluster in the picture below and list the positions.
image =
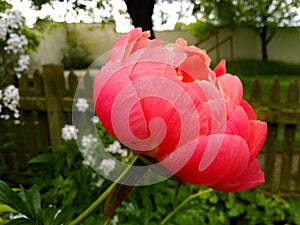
(107, 166)
(114, 220)
(22, 64)
(88, 141)
(69, 132)
(116, 148)
(82, 104)
(95, 119)
(15, 43)
(9, 102)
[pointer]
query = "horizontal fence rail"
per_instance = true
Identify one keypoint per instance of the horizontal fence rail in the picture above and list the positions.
(46, 106)
(280, 157)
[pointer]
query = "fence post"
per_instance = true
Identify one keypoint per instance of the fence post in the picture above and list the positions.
(270, 155)
(54, 85)
(289, 138)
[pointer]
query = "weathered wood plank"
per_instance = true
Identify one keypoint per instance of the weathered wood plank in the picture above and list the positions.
(54, 91)
(284, 115)
(42, 114)
(256, 92)
(274, 99)
(289, 138)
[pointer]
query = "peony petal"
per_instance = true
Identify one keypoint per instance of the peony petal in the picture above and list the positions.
(248, 109)
(258, 134)
(232, 89)
(194, 68)
(218, 158)
(220, 69)
(213, 104)
(128, 43)
(238, 123)
(250, 178)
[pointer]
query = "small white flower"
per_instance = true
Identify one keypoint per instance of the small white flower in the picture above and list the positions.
(86, 163)
(114, 220)
(23, 63)
(69, 132)
(16, 114)
(88, 140)
(107, 165)
(82, 104)
(4, 30)
(16, 43)
(5, 117)
(13, 19)
(95, 119)
(99, 183)
(17, 122)
(11, 97)
(114, 147)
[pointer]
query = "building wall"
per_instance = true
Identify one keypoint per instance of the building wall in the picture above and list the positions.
(285, 46)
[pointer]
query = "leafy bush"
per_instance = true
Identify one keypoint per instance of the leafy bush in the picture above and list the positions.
(76, 55)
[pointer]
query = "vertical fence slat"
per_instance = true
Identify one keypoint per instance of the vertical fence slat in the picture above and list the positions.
(29, 129)
(289, 138)
(270, 153)
(73, 82)
(256, 92)
(54, 91)
(42, 115)
(88, 85)
(298, 177)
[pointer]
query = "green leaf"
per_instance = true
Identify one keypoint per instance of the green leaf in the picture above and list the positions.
(20, 221)
(12, 199)
(44, 158)
(64, 216)
(48, 215)
(33, 199)
(5, 208)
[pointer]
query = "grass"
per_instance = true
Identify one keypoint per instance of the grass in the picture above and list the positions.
(248, 69)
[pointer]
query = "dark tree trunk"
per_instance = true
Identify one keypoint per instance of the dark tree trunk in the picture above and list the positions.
(140, 12)
(264, 43)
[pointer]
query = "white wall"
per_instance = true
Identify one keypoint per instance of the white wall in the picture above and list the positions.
(285, 46)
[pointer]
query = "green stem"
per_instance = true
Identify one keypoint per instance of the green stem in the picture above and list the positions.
(199, 193)
(96, 203)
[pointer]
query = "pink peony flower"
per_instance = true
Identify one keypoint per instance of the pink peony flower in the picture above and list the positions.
(165, 102)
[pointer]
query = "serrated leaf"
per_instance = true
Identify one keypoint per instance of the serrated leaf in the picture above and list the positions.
(12, 199)
(20, 221)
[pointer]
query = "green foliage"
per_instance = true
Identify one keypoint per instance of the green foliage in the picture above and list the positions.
(28, 204)
(200, 28)
(150, 205)
(262, 16)
(255, 14)
(76, 56)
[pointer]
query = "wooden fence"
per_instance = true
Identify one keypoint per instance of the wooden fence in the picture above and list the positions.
(46, 106)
